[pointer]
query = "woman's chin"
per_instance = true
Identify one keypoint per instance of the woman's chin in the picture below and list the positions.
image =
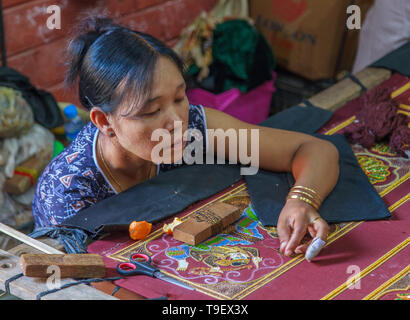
(171, 155)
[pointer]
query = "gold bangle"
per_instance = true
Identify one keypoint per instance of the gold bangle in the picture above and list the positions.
(312, 197)
(308, 201)
(309, 189)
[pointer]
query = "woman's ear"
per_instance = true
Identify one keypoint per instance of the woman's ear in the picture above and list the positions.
(101, 121)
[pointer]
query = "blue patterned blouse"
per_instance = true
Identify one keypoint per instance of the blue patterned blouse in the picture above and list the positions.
(73, 181)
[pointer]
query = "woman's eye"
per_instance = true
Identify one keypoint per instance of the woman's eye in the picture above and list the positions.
(180, 100)
(151, 113)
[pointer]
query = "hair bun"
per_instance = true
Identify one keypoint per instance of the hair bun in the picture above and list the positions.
(91, 25)
(95, 22)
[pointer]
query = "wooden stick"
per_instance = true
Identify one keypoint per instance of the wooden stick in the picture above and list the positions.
(28, 240)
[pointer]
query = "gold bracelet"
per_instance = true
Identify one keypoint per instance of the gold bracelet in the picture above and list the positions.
(312, 197)
(314, 204)
(308, 201)
(312, 194)
(308, 189)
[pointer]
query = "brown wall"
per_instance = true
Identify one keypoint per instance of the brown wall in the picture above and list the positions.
(36, 51)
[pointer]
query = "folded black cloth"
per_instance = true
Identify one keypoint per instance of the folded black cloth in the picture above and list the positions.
(396, 60)
(43, 104)
(352, 199)
(160, 197)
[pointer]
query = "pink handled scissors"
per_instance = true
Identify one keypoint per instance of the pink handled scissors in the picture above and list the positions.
(141, 264)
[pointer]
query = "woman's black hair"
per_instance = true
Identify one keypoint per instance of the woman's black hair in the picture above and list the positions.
(114, 64)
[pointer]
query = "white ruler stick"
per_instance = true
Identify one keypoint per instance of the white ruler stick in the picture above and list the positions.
(28, 240)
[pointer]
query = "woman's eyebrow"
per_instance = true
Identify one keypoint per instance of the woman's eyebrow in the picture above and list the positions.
(147, 103)
(182, 85)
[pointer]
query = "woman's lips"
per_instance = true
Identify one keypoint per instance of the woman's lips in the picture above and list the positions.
(176, 144)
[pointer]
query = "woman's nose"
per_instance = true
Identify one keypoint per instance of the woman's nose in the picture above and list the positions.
(174, 121)
(174, 124)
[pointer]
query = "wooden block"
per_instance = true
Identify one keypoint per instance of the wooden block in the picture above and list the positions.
(71, 265)
(206, 223)
(346, 90)
(28, 288)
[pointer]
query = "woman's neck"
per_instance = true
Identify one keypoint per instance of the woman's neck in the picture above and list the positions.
(122, 168)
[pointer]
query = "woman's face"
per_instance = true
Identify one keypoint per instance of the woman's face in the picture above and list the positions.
(167, 104)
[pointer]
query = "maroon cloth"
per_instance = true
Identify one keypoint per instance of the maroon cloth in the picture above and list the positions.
(378, 120)
(400, 138)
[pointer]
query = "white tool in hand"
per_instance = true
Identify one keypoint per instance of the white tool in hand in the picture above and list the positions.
(314, 248)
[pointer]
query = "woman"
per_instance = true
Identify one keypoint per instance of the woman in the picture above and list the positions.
(133, 84)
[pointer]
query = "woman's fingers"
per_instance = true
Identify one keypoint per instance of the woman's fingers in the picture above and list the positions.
(298, 233)
(319, 241)
(312, 231)
(293, 224)
(321, 228)
(302, 248)
(284, 232)
(317, 229)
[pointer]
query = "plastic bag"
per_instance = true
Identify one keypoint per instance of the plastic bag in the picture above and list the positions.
(20, 149)
(16, 116)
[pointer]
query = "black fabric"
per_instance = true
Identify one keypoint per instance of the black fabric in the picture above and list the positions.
(397, 60)
(73, 240)
(153, 200)
(352, 199)
(45, 108)
(301, 119)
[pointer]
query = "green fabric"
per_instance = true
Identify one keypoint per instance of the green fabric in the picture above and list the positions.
(58, 147)
(241, 55)
(398, 60)
(193, 69)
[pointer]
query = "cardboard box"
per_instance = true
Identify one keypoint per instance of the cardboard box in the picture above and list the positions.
(308, 37)
(206, 223)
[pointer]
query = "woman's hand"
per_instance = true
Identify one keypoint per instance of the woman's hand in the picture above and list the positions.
(295, 219)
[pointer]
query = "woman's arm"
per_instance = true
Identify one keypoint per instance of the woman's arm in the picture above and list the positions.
(312, 161)
(315, 165)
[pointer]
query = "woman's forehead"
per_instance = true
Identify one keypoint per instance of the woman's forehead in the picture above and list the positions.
(166, 81)
(167, 77)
